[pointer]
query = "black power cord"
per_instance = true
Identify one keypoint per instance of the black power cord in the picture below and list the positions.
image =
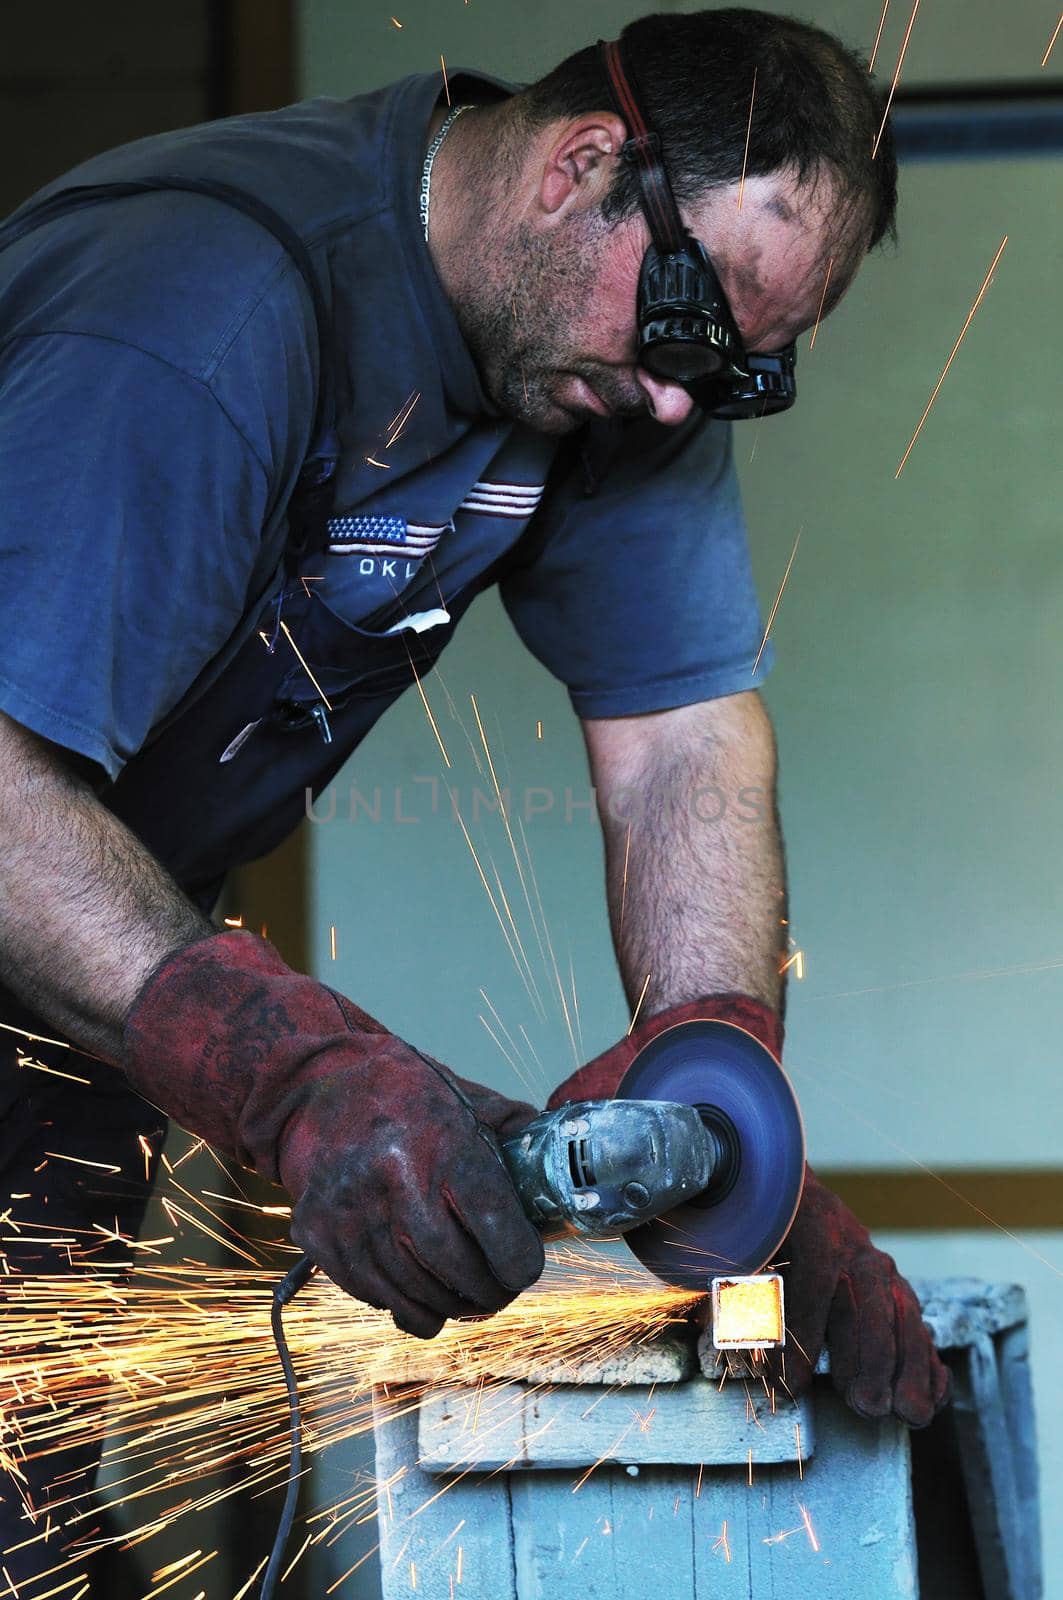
(283, 1294)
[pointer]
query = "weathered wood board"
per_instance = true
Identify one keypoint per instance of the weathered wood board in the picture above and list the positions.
(519, 1426)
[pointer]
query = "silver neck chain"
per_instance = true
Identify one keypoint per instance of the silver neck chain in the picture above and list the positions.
(426, 171)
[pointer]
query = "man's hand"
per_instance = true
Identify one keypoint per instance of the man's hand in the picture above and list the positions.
(401, 1195)
(844, 1293)
(600, 1078)
(840, 1290)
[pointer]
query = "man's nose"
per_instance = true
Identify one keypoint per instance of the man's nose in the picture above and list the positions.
(668, 402)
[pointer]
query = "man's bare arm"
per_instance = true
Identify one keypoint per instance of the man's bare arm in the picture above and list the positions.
(694, 861)
(86, 913)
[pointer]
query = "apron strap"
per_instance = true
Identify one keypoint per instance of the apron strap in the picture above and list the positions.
(311, 500)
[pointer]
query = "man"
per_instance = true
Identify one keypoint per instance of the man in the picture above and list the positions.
(162, 377)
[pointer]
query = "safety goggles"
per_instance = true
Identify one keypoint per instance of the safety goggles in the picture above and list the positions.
(687, 334)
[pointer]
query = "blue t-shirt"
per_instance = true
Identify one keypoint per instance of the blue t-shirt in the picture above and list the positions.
(158, 372)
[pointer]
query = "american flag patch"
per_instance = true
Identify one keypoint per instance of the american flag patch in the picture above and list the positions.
(383, 536)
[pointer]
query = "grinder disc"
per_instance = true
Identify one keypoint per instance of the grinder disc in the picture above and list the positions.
(735, 1228)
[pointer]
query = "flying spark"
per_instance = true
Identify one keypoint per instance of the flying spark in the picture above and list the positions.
(775, 606)
(878, 36)
(1051, 42)
(956, 346)
(397, 425)
(446, 85)
(287, 632)
(822, 302)
(623, 881)
(164, 1365)
(638, 1005)
(896, 76)
(807, 1520)
(749, 129)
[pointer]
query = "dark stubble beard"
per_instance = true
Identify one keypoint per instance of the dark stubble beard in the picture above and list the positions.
(517, 320)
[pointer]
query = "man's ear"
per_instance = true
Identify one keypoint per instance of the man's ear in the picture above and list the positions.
(580, 160)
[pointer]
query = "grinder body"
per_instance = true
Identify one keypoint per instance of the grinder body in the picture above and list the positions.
(601, 1167)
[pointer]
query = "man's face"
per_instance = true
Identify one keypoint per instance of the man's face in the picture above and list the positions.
(555, 333)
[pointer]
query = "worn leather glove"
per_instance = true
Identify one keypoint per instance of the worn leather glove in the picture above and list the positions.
(600, 1078)
(401, 1196)
(843, 1292)
(840, 1290)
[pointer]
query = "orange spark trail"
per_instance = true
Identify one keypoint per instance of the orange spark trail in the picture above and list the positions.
(1022, 1243)
(878, 36)
(638, 1007)
(397, 425)
(617, 1442)
(34, 1065)
(428, 709)
(896, 76)
(979, 975)
(623, 885)
(503, 813)
(302, 660)
(446, 85)
(778, 598)
(525, 977)
(956, 346)
(38, 1038)
(822, 302)
(807, 1520)
(1051, 42)
(749, 129)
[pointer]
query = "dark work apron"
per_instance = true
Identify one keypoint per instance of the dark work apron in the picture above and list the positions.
(221, 782)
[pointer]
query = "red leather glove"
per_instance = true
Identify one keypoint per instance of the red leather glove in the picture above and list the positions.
(843, 1292)
(401, 1196)
(840, 1290)
(600, 1078)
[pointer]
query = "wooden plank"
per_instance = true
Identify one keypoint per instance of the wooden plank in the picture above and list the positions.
(857, 1493)
(464, 1534)
(595, 1541)
(989, 1475)
(562, 1426)
(562, 1541)
(1013, 1365)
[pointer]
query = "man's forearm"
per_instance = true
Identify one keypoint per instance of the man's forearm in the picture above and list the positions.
(694, 859)
(86, 913)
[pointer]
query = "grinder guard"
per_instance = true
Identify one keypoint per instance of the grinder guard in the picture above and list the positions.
(736, 1084)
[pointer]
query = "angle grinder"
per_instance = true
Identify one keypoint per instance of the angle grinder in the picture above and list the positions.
(698, 1160)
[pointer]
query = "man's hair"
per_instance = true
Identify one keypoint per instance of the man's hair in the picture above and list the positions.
(816, 111)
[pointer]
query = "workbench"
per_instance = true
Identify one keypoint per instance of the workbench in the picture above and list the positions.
(641, 1479)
